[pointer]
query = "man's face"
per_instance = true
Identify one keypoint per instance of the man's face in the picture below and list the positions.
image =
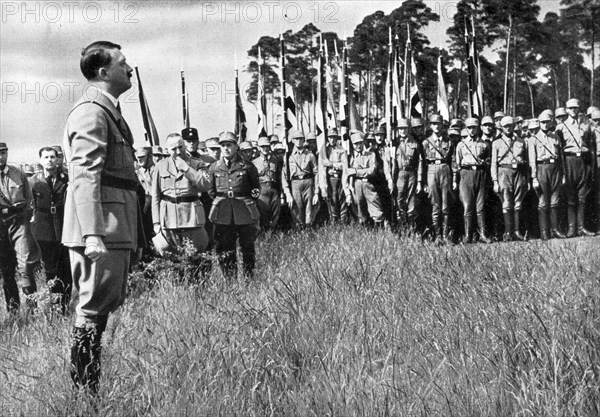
(191, 145)
(214, 152)
(59, 159)
(265, 150)
(176, 150)
(473, 130)
(3, 158)
(436, 127)
(573, 112)
(157, 158)
(248, 154)
(228, 149)
(403, 132)
(312, 145)
(280, 154)
(487, 129)
(359, 146)
(299, 143)
(332, 140)
(545, 125)
(48, 160)
(498, 124)
(142, 160)
(508, 129)
(118, 73)
(379, 138)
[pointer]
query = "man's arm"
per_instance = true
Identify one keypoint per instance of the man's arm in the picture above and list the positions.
(155, 193)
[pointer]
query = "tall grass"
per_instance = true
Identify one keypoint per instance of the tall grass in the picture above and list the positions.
(342, 321)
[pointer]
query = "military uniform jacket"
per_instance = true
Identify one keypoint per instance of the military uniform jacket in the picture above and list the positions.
(145, 178)
(333, 164)
(471, 153)
(438, 149)
(168, 185)
(48, 207)
(270, 169)
(543, 147)
(575, 137)
(231, 189)
(102, 195)
(408, 156)
(15, 190)
(302, 165)
(508, 152)
(365, 165)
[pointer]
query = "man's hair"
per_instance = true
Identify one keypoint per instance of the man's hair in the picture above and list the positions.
(47, 149)
(94, 57)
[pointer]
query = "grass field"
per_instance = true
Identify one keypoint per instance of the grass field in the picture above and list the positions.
(345, 321)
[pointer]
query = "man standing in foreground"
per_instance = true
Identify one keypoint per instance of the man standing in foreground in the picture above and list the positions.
(101, 204)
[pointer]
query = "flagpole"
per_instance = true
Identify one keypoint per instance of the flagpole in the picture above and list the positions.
(184, 99)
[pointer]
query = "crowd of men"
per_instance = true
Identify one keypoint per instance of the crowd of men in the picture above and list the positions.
(498, 178)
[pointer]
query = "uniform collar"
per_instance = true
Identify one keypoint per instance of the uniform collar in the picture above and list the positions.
(5, 170)
(112, 99)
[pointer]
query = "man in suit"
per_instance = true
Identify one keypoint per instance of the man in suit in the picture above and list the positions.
(17, 247)
(48, 189)
(101, 204)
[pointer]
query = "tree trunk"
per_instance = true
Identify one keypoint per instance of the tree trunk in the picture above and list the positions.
(556, 92)
(593, 65)
(510, 23)
(514, 92)
(531, 98)
(457, 94)
(569, 80)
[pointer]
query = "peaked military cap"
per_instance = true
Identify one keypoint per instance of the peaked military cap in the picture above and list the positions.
(190, 134)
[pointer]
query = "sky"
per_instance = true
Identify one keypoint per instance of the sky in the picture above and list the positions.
(40, 45)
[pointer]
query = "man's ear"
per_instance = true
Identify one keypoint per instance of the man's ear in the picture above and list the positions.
(102, 73)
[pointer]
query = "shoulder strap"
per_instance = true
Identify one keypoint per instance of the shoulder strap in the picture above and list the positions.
(542, 143)
(107, 111)
(471, 152)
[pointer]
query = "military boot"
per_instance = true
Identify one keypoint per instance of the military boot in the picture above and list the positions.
(543, 220)
(508, 227)
(572, 216)
(447, 232)
(554, 224)
(468, 237)
(582, 231)
(437, 228)
(517, 226)
(85, 358)
(482, 234)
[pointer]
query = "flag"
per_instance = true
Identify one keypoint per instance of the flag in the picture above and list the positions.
(185, 101)
(262, 98)
(442, 98)
(332, 120)
(389, 89)
(151, 134)
(474, 71)
(414, 101)
(343, 105)
(290, 108)
(320, 118)
(240, 117)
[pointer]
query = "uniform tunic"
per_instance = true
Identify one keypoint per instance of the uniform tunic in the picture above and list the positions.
(470, 165)
(302, 183)
(334, 165)
(270, 171)
(510, 169)
(438, 155)
(367, 199)
(546, 166)
(406, 171)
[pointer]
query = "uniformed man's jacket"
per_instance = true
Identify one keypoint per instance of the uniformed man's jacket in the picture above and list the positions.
(270, 169)
(543, 146)
(438, 148)
(471, 153)
(408, 156)
(508, 152)
(15, 189)
(365, 165)
(231, 187)
(169, 184)
(101, 197)
(575, 137)
(48, 207)
(145, 178)
(333, 164)
(302, 165)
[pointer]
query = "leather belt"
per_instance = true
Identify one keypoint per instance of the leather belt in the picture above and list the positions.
(51, 210)
(437, 162)
(10, 210)
(117, 182)
(473, 167)
(511, 166)
(231, 194)
(546, 161)
(177, 200)
(576, 154)
(269, 184)
(303, 177)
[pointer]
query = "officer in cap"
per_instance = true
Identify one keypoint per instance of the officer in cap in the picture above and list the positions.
(279, 150)
(273, 140)
(510, 175)
(470, 170)
(589, 112)
(246, 151)
(270, 175)
(454, 136)
(213, 148)
(363, 168)
(456, 124)
(405, 175)
(192, 141)
(376, 143)
(311, 142)
(334, 180)
(417, 129)
(560, 115)
(301, 181)
(15, 234)
(438, 156)
(578, 143)
(157, 154)
(518, 126)
(545, 161)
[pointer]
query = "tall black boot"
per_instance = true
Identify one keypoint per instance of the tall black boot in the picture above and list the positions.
(483, 237)
(437, 229)
(572, 216)
(508, 227)
(554, 224)
(468, 237)
(581, 230)
(448, 235)
(85, 358)
(517, 226)
(543, 220)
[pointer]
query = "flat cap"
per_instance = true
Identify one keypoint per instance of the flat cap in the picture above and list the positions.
(279, 147)
(533, 123)
(213, 143)
(499, 115)
(264, 141)
(403, 123)
(560, 111)
(591, 109)
(3, 146)
(436, 118)
(273, 138)
(472, 122)
(487, 120)
(545, 117)
(357, 137)
(453, 132)
(548, 112)
(572, 103)
(190, 134)
(311, 136)
(507, 120)
(518, 119)
(416, 122)
(226, 137)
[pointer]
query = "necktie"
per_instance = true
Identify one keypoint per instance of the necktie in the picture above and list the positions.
(119, 107)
